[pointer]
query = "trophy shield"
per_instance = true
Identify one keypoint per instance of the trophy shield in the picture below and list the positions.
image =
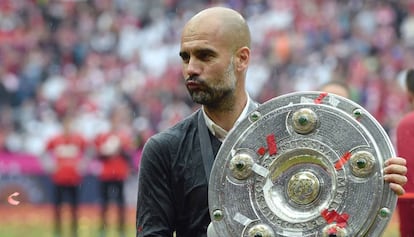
(303, 164)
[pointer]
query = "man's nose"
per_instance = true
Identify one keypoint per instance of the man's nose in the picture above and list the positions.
(193, 67)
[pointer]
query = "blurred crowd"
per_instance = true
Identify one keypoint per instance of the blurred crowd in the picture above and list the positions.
(90, 57)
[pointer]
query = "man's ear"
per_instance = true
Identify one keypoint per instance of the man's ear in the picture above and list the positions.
(242, 59)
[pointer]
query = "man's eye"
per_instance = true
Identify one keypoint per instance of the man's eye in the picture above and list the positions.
(205, 56)
(185, 57)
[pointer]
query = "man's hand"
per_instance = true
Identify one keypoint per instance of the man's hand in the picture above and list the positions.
(395, 171)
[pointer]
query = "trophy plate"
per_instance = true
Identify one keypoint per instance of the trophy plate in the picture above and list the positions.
(303, 164)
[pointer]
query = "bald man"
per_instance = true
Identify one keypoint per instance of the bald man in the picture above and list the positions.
(176, 163)
(337, 87)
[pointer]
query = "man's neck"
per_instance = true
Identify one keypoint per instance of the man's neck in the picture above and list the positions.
(226, 118)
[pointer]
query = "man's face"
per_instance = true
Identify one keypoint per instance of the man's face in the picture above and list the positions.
(337, 90)
(208, 66)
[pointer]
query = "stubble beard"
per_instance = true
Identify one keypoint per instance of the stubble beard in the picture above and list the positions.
(218, 96)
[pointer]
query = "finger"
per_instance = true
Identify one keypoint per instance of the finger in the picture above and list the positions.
(395, 160)
(395, 169)
(396, 178)
(397, 189)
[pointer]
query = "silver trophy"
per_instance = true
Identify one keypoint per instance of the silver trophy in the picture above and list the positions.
(302, 164)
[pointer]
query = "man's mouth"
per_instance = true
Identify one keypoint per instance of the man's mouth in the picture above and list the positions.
(192, 85)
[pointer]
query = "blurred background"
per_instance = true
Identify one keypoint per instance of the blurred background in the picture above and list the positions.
(90, 57)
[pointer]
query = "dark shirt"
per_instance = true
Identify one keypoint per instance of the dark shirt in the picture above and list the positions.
(173, 186)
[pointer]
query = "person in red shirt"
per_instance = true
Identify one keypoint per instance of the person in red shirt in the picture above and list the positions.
(114, 149)
(405, 141)
(66, 151)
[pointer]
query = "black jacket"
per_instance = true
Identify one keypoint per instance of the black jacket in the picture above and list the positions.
(173, 185)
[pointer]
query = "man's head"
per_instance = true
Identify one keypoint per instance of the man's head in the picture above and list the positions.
(337, 87)
(215, 54)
